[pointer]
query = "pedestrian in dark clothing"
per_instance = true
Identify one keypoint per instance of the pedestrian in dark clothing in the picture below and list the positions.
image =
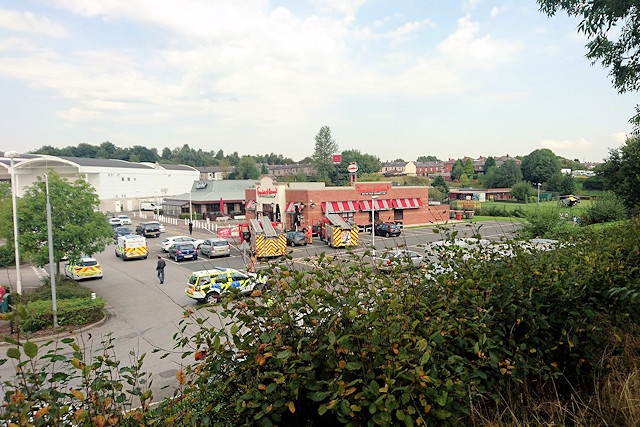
(160, 268)
(190, 228)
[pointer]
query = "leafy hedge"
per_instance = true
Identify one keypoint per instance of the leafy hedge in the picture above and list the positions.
(38, 315)
(340, 344)
(344, 345)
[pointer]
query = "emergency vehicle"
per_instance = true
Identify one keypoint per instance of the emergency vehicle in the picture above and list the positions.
(131, 246)
(267, 240)
(86, 268)
(209, 285)
(338, 232)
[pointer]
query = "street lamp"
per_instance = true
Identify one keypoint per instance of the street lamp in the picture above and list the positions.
(52, 271)
(14, 189)
(373, 224)
(538, 184)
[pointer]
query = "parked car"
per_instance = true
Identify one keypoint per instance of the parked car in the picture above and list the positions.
(148, 229)
(296, 238)
(115, 222)
(399, 258)
(86, 268)
(209, 285)
(388, 229)
(160, 226)
(166, 243)
(124, 219)
(215, 247)
(182, 251)
(121, 231)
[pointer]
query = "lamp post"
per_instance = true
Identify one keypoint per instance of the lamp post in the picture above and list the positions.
(14, 189)
(538, 184)
(373, 224)
(52, 271)
(190, 214)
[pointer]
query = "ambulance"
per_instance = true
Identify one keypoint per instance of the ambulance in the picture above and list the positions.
(131, 246)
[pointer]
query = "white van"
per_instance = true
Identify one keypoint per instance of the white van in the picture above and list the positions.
(150, 206)
(131, 246)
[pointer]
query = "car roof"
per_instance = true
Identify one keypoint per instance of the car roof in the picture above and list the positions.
(216, 270)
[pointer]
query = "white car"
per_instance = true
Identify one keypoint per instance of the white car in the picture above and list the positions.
(124, 219)
(166, 243)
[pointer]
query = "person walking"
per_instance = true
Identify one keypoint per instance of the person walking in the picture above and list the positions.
(190, 228)
(160, 269)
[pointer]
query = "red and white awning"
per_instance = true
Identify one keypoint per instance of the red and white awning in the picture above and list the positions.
(339, 207)
(411, 203)
(381, 205)
(250, 205)
(291, 207)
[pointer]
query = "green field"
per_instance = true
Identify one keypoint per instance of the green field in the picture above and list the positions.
(510, 207)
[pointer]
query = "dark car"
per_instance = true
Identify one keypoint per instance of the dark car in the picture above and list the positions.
(148, 229)
(296, 238)
(388, 229)
(121, 231)
(182, 251)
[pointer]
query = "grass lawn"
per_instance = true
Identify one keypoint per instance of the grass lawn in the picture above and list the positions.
(532, 207)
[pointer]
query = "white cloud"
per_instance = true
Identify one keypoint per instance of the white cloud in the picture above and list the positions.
(464, 47)
(27, 22)
(566, 145)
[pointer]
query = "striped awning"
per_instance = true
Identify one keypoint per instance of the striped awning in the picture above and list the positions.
(250, 205)
(381, 205)
(291, 207)
(411, 203)
(339, 207)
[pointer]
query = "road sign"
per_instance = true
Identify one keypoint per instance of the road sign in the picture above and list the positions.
(352, 168)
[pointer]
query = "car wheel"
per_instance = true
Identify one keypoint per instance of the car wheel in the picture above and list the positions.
(212, 298)
(387, 234)
(293, 244)
(116, 252)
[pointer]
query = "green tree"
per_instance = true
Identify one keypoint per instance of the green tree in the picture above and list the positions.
(621, 173)
(425, 159)
(457, 170)
(465, 181)
(521, 191)
(246, 169)
(540, 165)
(561, 183)
(489, 163)
(77, 227)
(264, 170)
(366, 164)
(508, 174)
(469, 170)
(325, 147)
(441, 185)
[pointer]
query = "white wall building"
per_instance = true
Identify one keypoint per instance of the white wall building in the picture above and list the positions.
(120, 185)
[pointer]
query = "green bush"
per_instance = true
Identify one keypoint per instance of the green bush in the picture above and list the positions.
(38, 315)
(7, 255)
(341, 345)
(65, 289)
(606, 208)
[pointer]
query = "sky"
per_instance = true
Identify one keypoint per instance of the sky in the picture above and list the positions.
(394, 79)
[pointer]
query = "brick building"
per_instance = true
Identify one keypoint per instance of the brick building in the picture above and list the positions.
(306, 203)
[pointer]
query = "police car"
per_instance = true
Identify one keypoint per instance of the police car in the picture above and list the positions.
(86, 268)
(209, 285)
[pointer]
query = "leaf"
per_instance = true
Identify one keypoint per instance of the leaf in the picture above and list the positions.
(292, 407)
(13, 353)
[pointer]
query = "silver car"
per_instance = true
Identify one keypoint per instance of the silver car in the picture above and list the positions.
(215, 247)
(399, 258)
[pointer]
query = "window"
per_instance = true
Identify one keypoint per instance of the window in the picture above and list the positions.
(397, 214)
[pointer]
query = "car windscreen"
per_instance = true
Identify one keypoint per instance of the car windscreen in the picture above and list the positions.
(220, 243)
(89, 263)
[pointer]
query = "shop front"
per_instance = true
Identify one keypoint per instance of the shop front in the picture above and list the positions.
(305, 204)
